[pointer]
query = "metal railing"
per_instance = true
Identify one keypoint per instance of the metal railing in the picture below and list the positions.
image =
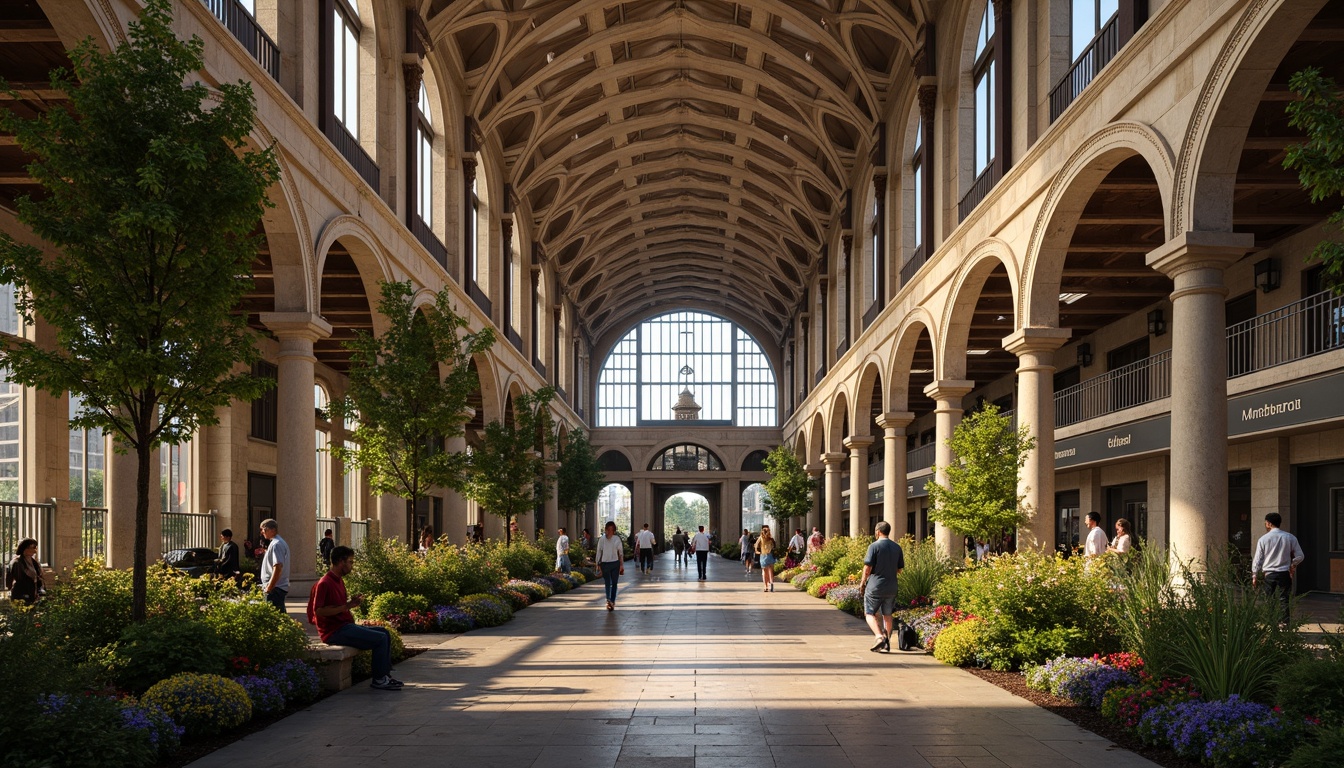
(920, 458)
(20, 521)
(431, 241)
(323, 523)
(979, 188)
(1098, 54)
(182, 530)
(93, 533)
(359, 533)
(1125, 387)
(350, 149)
(910, 267)
(1304, 328)
(235, 17)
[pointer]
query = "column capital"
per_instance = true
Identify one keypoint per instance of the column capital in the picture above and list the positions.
(550, 466)
(948, 389)
(813, 470)
(296, 325)
(858, 441)
(895, 420)
(1199, 250)
(1027, 341)
(835, 462)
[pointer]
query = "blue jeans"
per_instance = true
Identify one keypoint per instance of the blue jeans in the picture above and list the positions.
(562, 563)
(374, 639)
(611, 575)
(276, 597)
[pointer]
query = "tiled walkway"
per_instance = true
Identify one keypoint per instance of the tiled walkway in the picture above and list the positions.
(683, 673)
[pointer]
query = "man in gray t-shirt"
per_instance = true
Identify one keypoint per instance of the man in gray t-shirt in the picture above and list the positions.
(275, 566)
(882, 562)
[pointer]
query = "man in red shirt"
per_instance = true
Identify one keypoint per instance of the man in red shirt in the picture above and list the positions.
(329, 608)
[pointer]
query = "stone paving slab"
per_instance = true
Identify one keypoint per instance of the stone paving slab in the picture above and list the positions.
(683, 674)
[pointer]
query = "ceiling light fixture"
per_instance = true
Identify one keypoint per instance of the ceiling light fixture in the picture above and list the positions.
(921, 370)
(550, 56)
(807, 57)
(786, 138)
(977, 352)
(1069, 298)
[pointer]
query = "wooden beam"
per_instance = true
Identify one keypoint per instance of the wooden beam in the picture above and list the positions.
(43, 34)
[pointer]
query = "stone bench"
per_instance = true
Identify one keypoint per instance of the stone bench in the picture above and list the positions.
(334, 664)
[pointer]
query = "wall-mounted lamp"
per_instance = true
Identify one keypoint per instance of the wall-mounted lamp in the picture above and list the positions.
(1267, 275)
(1084, 354)
(1157, 325)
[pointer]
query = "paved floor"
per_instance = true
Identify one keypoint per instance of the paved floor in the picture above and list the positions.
(683, 673)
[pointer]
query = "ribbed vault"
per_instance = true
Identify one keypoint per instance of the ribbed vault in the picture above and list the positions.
(679, 151)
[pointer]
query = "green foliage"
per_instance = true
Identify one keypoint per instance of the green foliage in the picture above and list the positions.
(835, 548)
(162, 647)
(678, 512)
(79, 731)
(403, 404)
(579, 479)
(789, 489)
(30, 658)
(817, 586)
(251, 627)
(519, 559)
(1319, 161)
(395, 604)
(505, 470)
(486, 610)
(152, 201)
(847, 568)
(203, 704)
(384, 565)
(1007, 649)
(925, 567)
(1321, 752)
(981, 497)
(958, 644)
(1312, 688)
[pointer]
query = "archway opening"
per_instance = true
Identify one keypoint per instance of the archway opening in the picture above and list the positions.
(755, 510)
(613, 504)
(685, 510)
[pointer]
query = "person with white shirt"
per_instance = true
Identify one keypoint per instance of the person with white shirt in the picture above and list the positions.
(611, 560)
(701, 543)
(562, 552)
(1096, 538)
(1124, 540)
(797, 545)
(644, 542)
(1277, 555)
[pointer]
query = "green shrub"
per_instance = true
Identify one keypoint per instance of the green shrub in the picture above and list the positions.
(730, 552)
(362, 665)
(835, 548)
(251, 628)
(30, 658)
(1035, 646)
(162, 647)
(386, 565)
(817, 586)
(1321, 752)
(519, 558)
(60, 731)
(925, 567)
(1313, 688)
(486, 610)
(470, 570)
(202, 704)
(517, 600)
(395, 604)
(535, 591)
(848, 567)
(788, 574)
(959, 644)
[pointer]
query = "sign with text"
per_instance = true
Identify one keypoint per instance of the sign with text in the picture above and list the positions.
(1128, 440)
(1299, 403)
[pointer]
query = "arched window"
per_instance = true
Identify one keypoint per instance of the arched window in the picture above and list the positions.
(686, 366)
(686, 457)
(613, 461)
(341, 117)
(917, 201)
(754, 499)
(755, 461)
(613, 503)
(984, 159)
(11, 407)
(984, 75)
(424, 169)
(322, 443)
(476, 228)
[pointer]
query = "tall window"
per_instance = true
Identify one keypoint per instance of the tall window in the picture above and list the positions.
(984, 74)
(875, 248)
(473, 237)
(249, 5)
(87, 462)
(345, 65)
(322, 441)
(917, 179)
(1089, 17)
(719, 363)
(350, 480)
(11, 406)
(175, 478)
(424, 155)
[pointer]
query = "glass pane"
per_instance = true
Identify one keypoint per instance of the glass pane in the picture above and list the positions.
(1084, 26)
(986, 35)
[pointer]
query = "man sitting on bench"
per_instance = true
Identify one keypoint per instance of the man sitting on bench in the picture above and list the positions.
(329, 608)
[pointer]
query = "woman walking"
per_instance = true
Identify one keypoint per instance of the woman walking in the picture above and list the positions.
(765, 547)
(23, 578)
(1123, 540)
(744, 546)
(611, 559)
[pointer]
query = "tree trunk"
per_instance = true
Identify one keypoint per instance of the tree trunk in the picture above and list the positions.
(508, 530)
(141, 564)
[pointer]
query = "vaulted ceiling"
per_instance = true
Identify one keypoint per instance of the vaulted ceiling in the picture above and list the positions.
(680, 152)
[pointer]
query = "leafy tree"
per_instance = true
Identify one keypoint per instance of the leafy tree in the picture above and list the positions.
(789, 489)
(505, 471)
(579, 479)
(678, 512)
(151, 201)
(981, 498)
(403, 407)
(1319, 161)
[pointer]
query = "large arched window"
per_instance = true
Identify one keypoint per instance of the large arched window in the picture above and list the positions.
(322, 446)
(11, 407)
(686, 457)
(985, 106)
(424, 156)
(647, 372)
(984, 158)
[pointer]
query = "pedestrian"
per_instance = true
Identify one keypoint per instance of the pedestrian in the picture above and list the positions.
(1124, 542)
(679, 547)
(226, 564)
(701, 544)
(426, 539)
(23, 577)
(881, 564)
(765, 547)
(274, 565)
(562, 552)
(797, 546)
(611, 561)
(745, 549)
(327, 544)
(1096, 538)
(816, 541)
(587, 539)
(645, 542)
(329, 609)
(1277, 555)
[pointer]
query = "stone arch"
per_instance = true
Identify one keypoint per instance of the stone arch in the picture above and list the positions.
(817, 442)
(1043, 268)
(611, 460)
(800, 446)
(919, 321)
(714, 448)
(840, 426)
(488, 377)
(362, 244)
(289, 239)
(1206, 171)
(976, 267)
(869, 383)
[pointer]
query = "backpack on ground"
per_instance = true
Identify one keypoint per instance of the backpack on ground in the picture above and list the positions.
(906, 637)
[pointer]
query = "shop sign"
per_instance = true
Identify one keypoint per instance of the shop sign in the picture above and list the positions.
(1289, 405)
(1127, 440)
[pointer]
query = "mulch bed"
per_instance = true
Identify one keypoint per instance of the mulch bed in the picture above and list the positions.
(1082, 716)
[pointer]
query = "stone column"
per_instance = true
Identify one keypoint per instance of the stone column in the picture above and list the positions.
(814, 517)
(1035, 350)
(947, 394)
(858, 483)
(455, 519)
(296, 465)
(1195, 262)
(392, 519)
(894, 470)
(343, 531)
(550, 519)
(835, 466)
(119, 494)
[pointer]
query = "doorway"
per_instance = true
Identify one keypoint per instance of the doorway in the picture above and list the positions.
(1068, 524)
(1239, 513)
(1318, 498)
(260, 502)
(686, 511)
(1129, 501)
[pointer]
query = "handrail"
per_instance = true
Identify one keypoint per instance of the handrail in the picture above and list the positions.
(430, 240)
(245, 28)
(1098, 54)
(183, 530)
(1139, 382)
(979, 189)
(920, 458)
(350, 149)
(93, 533)
(19, 521)
(1307, 327)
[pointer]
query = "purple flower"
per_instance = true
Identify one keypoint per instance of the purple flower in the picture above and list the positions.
(453, 619)
(1089, 686)
(264, 692)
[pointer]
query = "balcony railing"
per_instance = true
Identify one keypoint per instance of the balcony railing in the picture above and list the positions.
(1301, 329)
(350, 149)
(93, 534)
(909, 268)
(28, 521)
(1098, 54)
(431, 241)
(244, 27)
(323, 523)
(359, 533)
(182, 530)
(920, 458)
(983, 183)
(1125, 387)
